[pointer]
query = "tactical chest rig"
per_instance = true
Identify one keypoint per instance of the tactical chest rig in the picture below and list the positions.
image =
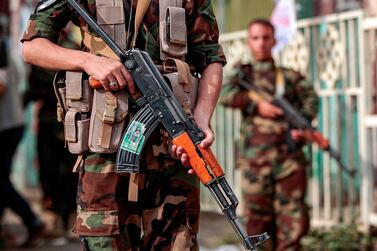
(94, 119)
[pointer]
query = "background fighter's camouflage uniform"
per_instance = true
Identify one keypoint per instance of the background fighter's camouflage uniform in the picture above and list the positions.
(274, 179)
(167, 212)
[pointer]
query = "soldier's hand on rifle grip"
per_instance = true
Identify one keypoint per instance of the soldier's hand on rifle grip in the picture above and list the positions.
(109, 73)
(268, 110)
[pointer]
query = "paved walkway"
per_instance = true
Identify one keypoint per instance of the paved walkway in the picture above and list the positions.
(215, 233)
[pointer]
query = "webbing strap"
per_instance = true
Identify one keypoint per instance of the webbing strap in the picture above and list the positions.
(79, 163)
(183, 70)
(108, 119)
(136, 181)
(183, 87)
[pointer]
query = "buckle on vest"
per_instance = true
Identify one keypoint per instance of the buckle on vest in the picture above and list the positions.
(109, 114)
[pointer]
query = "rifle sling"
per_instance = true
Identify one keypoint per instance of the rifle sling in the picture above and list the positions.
(279, 82)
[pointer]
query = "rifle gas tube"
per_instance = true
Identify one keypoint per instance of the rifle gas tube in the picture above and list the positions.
(158, 105)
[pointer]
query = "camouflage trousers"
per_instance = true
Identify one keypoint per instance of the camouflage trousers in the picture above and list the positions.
(273, 186)
(165, 217)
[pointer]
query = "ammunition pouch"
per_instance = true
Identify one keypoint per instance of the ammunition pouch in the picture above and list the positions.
(107, 120)
(173, 30)
(93, 119)
(74, 97)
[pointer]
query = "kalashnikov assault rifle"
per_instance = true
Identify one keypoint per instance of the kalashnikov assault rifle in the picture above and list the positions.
(159, 105)
(296, 121)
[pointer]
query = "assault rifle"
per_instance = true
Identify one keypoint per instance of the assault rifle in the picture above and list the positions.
(158, 105)
(296, 121)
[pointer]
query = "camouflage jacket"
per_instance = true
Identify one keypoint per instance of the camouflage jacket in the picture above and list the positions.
(259, 131)
(203, 47)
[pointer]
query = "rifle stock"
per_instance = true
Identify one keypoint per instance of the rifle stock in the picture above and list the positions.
(158, 105)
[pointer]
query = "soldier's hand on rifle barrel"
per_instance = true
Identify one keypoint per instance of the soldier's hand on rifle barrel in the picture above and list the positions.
(110, 73)
(268, 110)
(2, 88)
(297, 135)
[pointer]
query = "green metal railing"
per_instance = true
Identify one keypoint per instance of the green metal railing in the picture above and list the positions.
(330, 51)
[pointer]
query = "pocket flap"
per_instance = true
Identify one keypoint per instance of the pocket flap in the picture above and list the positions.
(70, 129)
(74, 85)
(111, 107)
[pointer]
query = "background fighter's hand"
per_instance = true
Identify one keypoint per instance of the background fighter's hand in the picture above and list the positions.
(107, 70)
(2, 88)
(268, 110)
(297, 135)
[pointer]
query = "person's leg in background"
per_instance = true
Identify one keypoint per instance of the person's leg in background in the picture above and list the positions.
(9, 197)
(58, 183)
(292, 217)
(258, 192)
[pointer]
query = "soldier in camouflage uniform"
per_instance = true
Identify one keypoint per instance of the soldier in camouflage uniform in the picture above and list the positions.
(167, 210)
(272, 162)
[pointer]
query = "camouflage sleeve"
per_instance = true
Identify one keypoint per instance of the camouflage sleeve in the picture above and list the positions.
(203, 34)
(235, 96)
(48, 23)
(307, 97)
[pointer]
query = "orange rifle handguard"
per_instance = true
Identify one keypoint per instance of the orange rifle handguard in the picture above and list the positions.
(196, 162)
(317, 137)
(212, 162)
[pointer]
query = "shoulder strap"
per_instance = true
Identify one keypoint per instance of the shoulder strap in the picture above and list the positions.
(141, 9)
(280, 82)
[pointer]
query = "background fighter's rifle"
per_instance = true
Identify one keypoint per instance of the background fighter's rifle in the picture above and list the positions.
(159, 105)
(295, 120)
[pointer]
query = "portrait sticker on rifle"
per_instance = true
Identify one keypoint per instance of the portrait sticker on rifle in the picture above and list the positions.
(134, 138)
